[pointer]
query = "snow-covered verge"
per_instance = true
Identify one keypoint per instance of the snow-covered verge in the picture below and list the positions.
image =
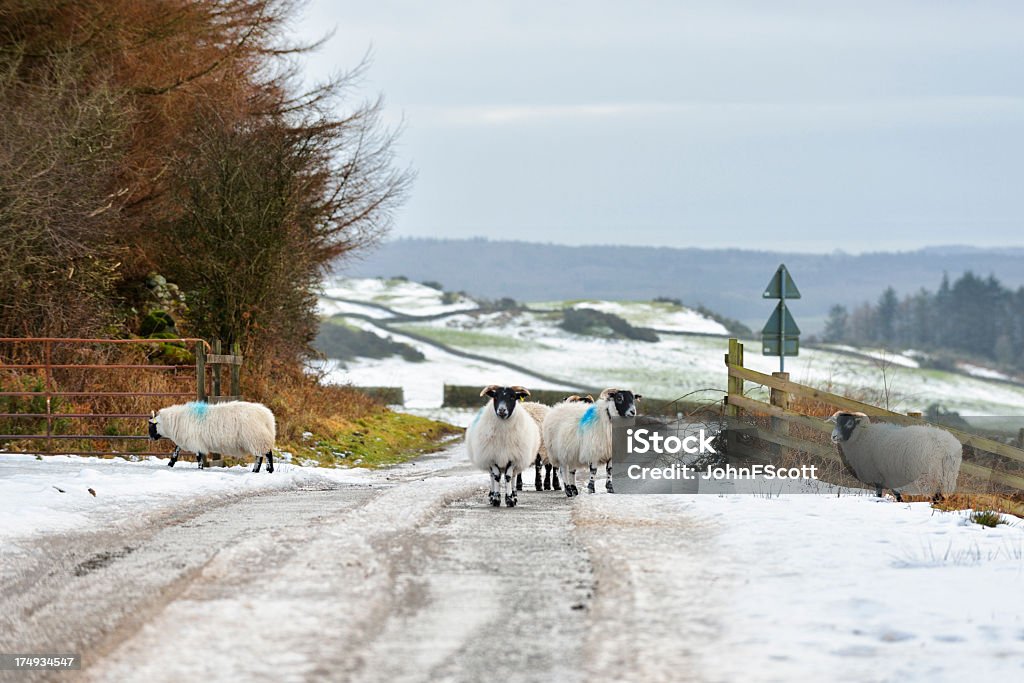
(51, 495)
(850, 587)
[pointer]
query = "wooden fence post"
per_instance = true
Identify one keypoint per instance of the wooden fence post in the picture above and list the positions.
(735, 384)
(780, 399)
(200, 371)
(236, 371)
(217, 367)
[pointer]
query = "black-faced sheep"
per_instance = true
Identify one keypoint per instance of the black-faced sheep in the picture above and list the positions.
(502, 440)
(578, 434)
(236, 428)
(919, 459)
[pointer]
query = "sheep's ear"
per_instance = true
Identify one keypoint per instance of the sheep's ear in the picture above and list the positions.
(490, 390)
(152, 416)
(521, 392)
(637, 397)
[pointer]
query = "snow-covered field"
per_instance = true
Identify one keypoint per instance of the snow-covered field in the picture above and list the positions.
(402, 296)
(678, 365)
(675, 366)
(659, 315)
(423, 382)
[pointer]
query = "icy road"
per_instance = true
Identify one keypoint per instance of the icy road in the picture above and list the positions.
(408, 575)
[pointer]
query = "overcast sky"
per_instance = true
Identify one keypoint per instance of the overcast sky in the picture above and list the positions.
(807, 126)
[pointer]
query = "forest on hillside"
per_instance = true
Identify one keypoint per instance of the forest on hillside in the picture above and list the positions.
(972, 316)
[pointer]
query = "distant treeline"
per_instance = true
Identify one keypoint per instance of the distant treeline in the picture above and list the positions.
(974, 316)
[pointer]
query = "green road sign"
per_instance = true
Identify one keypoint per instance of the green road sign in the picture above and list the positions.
(775, 290)
(774, 325)
(770, 345)
(781, 336)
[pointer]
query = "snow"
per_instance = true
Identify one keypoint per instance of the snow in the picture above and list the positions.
(329, 307)
(31, 504)
(987, 373)
(673, 367)
(679, 365)
(409, 298)
(860, 587)
(423, 382)
(658, 315)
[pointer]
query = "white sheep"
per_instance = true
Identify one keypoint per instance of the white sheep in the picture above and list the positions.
(236, 428)
(539, 411)
(502, 440)
(578, 434)
(919, 459)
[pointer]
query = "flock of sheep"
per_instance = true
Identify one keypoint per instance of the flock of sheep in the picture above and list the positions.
(572, 434)
(503, 441)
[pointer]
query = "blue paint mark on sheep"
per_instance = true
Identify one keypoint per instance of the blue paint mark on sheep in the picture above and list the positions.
(478, 414)
(199, 409)
(589, 417)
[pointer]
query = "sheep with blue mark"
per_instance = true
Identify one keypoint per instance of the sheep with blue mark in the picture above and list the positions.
(580, 435)
(502, 440)
(235, 428)
(539, 411)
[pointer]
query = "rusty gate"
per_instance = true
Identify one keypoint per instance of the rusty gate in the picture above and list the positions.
(56, 390)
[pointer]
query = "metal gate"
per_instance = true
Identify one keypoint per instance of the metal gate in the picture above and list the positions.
(49, 397)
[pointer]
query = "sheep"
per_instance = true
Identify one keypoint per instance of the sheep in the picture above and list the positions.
(502, 440)
(538, 411)
(235, 428)
(578, 434)
(920, 459)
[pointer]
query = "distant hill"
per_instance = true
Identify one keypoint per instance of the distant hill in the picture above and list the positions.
(728, 281)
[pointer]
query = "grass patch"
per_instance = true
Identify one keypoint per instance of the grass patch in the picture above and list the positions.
(466, 339)
(375, 440)
(989, 518)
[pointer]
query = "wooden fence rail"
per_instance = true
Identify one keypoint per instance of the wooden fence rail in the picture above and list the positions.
(782, 416)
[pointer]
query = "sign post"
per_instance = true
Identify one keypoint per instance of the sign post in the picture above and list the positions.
(781, 336)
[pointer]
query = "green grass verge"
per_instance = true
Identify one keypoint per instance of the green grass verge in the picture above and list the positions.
(377, 440)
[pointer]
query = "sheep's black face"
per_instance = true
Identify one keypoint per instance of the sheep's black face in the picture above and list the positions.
(625, 403)
(153, 433)
(845, 424)
(504, 399)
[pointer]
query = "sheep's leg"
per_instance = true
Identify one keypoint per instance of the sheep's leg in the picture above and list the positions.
(878, 490)
(593, 473)
(495, 496)
(538, 482)
(608, 482)
(547, 476)
(259, 463)
(200, 460)
(174, 456)
(569, 480)
(554, 478)
(519, 482)
(270, 461)
(899, 496)
(510, 497)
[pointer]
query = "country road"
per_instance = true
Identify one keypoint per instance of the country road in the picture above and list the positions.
(411, 576)
(416, 579)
